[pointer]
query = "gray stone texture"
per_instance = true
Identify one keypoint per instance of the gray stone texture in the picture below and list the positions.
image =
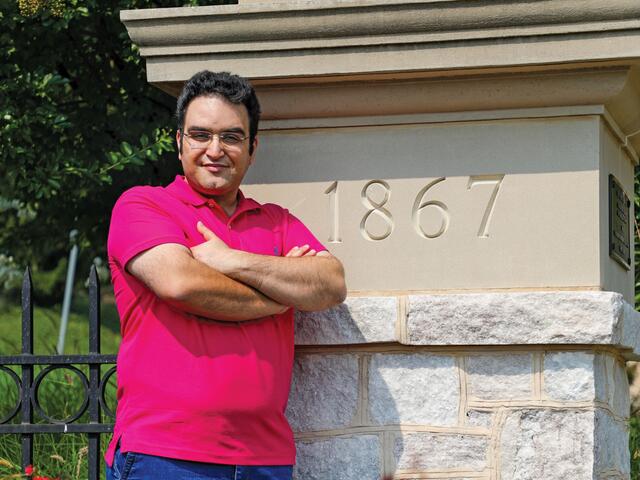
(357, 320)
(547, 444)
(598, 318)
(612, 385)
(324, 392)
(569, 376)
(611, 446)
(433, 451)
(618, 389)
(339, 458)
(494, 377)
(480, 418)
(419, 389)
(628, 329)
(601, 381)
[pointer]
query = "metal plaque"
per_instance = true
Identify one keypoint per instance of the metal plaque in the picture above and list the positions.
(619, 217)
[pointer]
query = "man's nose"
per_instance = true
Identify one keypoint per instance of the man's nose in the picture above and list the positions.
(215, 148)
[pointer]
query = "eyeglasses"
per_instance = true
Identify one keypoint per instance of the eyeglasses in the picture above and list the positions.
(202, 139)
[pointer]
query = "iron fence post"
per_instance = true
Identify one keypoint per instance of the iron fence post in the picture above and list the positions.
(27, 370)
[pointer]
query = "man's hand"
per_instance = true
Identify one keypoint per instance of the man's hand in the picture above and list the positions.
(213, 252)
(303, 279)
(302, 251)
(217, 254)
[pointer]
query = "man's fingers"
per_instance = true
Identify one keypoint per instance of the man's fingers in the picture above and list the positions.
(205, 232)
(297, 251)
(302, 251)
(294, 252)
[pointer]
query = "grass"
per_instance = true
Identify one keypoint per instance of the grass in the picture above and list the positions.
(46, 326)
(61, 391)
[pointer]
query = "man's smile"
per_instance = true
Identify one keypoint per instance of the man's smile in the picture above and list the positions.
(214, 167)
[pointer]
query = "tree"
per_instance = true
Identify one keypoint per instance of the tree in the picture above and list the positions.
(78, 125)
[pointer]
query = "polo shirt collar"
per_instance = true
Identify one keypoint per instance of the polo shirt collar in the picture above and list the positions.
(181, 189)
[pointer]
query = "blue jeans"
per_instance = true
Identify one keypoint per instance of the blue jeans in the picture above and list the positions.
(138, 466)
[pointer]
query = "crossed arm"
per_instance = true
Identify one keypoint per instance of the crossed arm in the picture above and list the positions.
(304, 279)
(218, 282)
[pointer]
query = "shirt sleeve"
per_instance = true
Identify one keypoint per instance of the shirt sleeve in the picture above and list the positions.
(297, 234)
(138, 223)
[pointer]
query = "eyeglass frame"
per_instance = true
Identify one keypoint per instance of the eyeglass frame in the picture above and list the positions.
(211, 135)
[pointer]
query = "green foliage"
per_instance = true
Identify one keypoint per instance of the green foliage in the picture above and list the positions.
(32, 7)
(50, 283)
(10, 275)
(634, 446)
(78, 124)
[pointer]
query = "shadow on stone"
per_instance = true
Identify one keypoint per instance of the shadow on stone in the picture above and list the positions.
(331, 402)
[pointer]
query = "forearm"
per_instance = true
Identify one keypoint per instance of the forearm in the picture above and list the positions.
(177, 278)
(306, 283)
(222, 298)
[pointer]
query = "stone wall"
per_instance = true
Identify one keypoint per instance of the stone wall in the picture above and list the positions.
(494, 386)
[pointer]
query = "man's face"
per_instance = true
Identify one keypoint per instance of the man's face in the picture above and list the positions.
(218, 169)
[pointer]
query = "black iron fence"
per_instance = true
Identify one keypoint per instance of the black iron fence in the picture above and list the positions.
(28, 402)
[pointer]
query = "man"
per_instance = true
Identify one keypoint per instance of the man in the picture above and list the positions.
(205, 281)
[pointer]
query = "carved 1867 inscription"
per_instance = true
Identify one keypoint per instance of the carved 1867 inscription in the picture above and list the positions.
(377, 207)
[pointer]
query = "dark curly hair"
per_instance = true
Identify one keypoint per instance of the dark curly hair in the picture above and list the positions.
(233, 88)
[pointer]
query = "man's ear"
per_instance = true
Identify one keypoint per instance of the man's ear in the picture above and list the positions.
(179, 141)
(254, 146)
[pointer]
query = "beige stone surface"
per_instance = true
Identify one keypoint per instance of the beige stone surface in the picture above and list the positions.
(613, 160)
(456, 206)
(363, 58)
(307, 42)
(422, 94)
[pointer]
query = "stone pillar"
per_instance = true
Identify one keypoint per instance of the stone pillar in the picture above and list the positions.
(471, 163)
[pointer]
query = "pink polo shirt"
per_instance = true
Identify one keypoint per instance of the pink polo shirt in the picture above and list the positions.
(191, 389)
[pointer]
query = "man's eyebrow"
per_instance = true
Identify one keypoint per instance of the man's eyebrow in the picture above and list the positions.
(195, 128)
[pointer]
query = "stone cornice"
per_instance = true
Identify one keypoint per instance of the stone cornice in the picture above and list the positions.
(332, 24)
(490, 47)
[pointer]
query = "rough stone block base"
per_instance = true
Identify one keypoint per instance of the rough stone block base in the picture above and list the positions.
(520, 410)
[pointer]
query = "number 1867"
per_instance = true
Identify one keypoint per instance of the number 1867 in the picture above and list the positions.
(377, 207)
